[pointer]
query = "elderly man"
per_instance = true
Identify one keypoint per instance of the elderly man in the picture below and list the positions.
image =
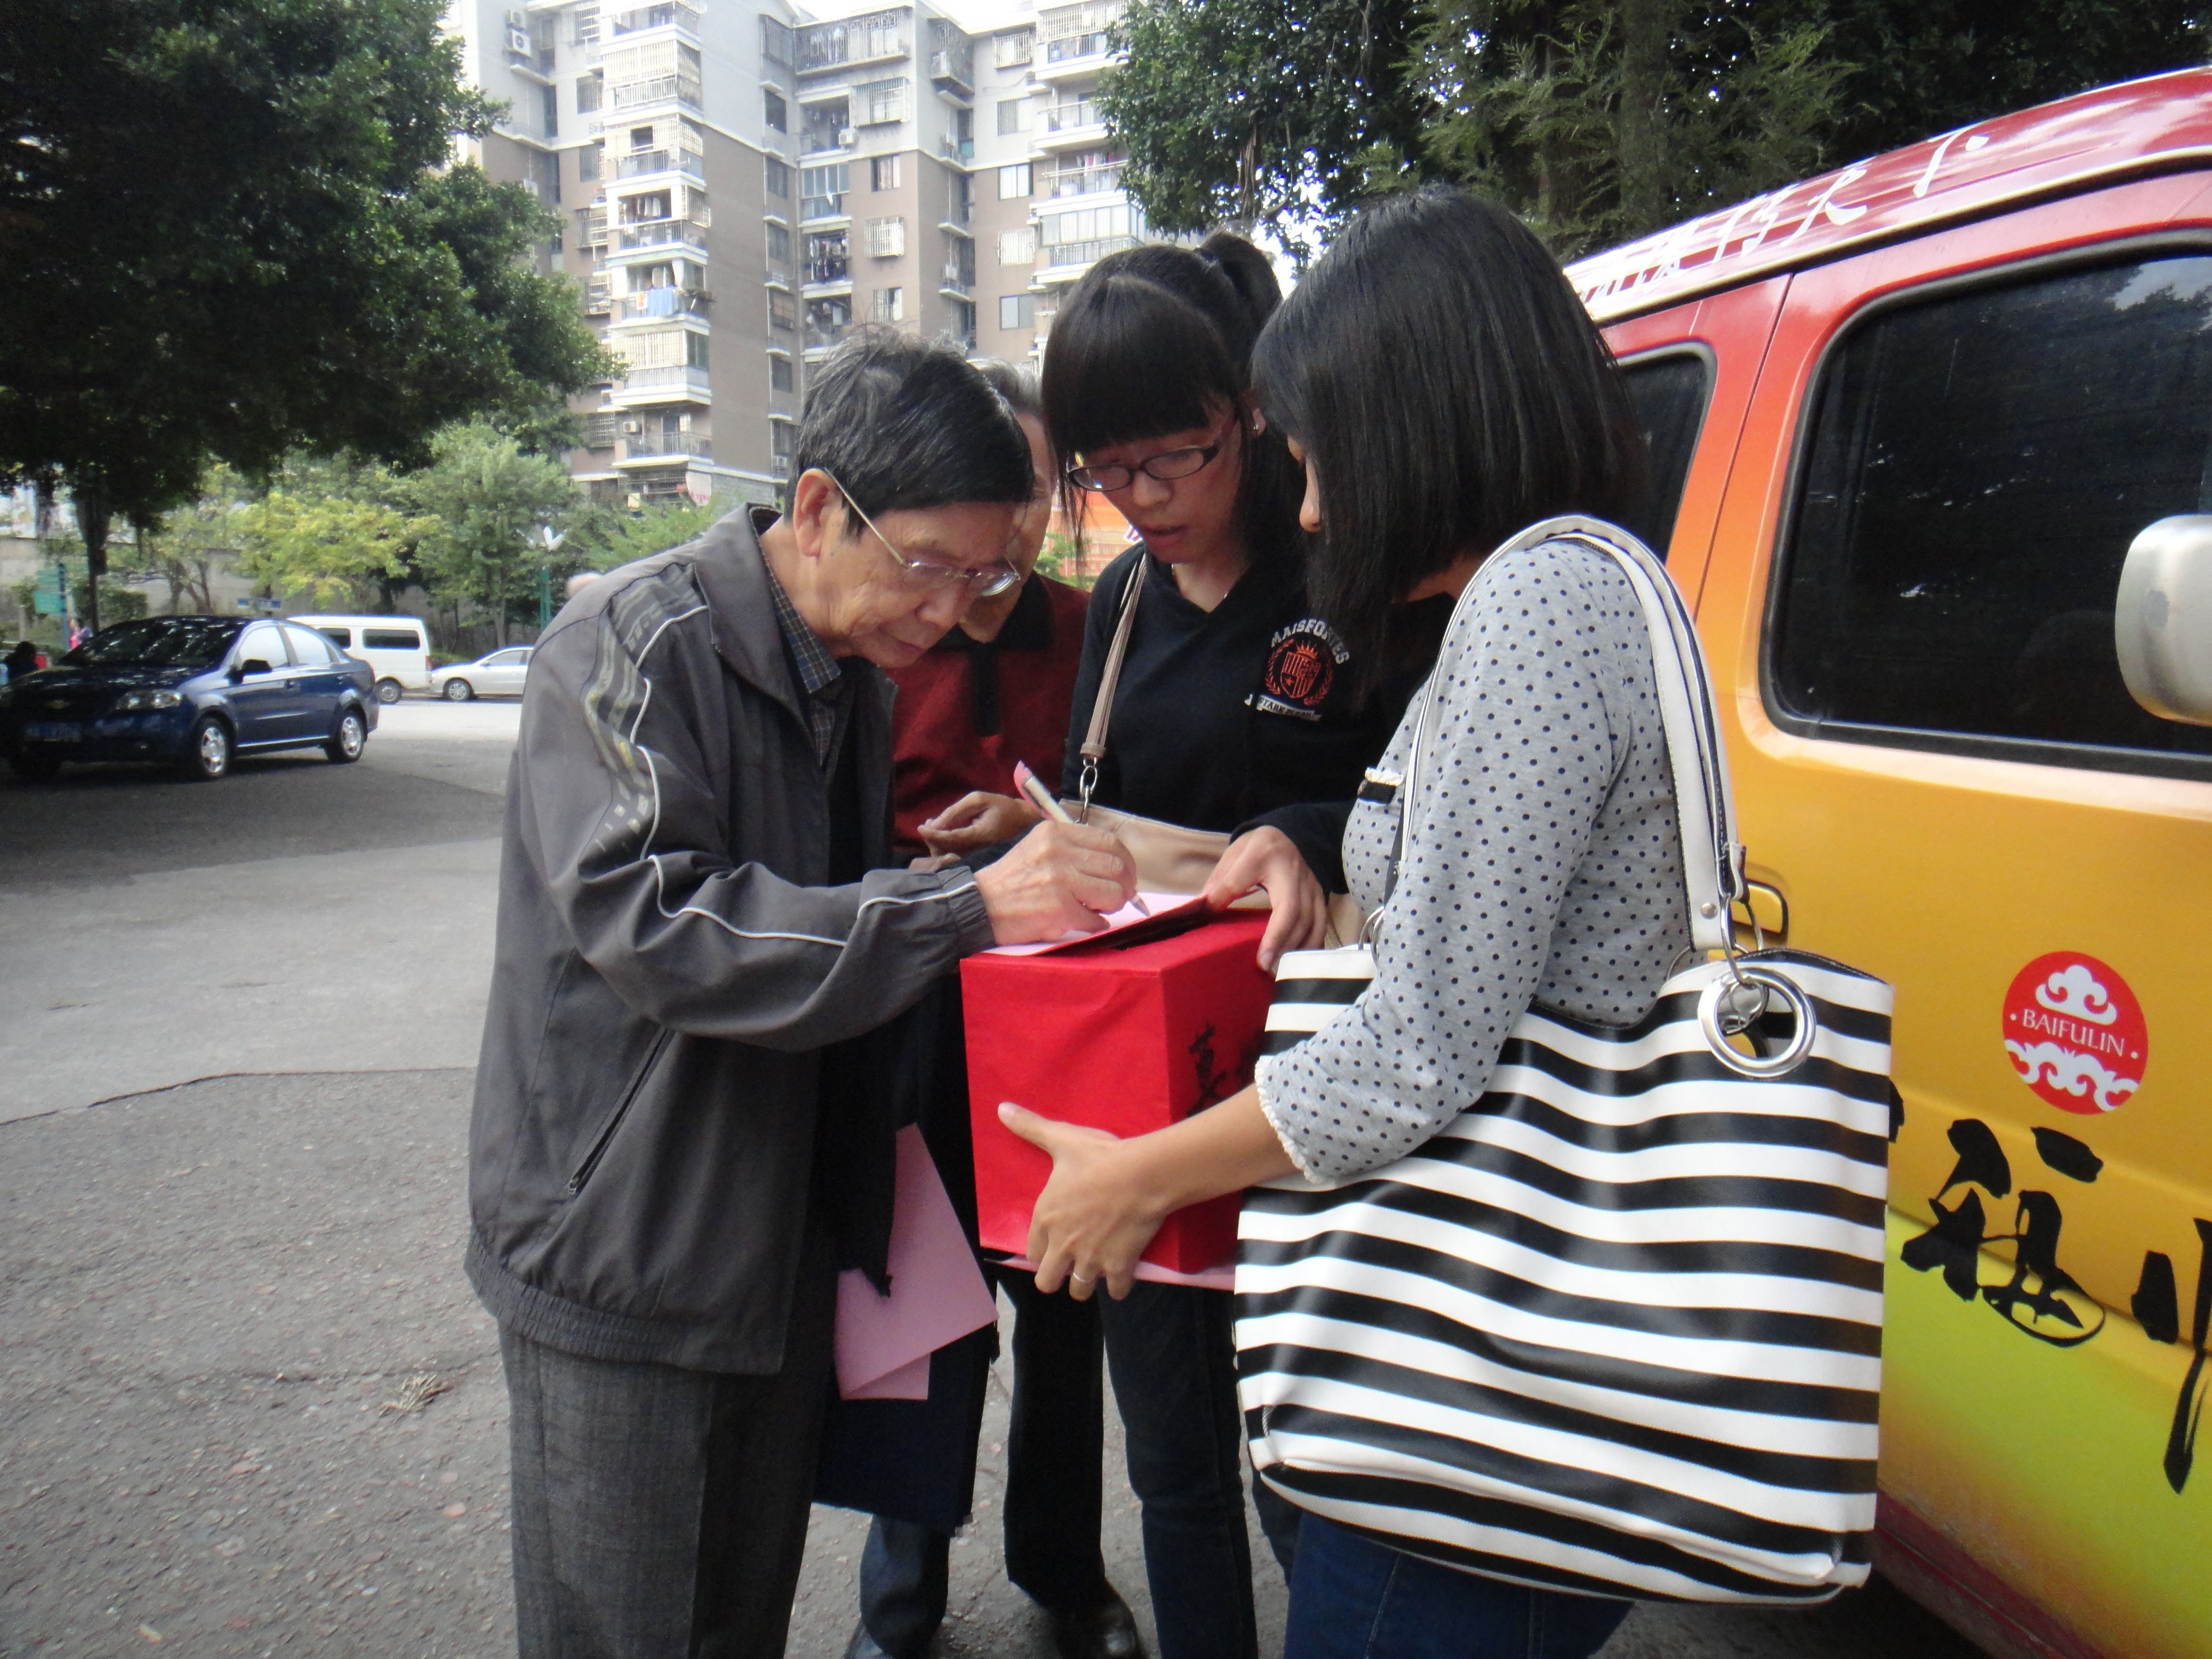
(694, 905)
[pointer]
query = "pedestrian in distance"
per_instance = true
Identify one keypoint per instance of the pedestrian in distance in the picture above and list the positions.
(1444, 389)
(696, 908)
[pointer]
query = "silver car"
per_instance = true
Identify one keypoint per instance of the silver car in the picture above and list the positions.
(499, 675)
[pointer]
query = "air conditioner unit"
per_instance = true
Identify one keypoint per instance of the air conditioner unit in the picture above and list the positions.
(846, 136)
(518, 41)
(632, 428)
(516, 18)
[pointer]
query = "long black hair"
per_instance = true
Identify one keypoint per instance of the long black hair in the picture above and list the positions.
(1158, 339)
(1448, 389)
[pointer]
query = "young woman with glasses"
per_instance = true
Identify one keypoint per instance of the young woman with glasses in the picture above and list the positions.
(1234, 711)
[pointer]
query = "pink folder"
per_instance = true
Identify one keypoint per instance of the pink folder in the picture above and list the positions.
(937, 1293)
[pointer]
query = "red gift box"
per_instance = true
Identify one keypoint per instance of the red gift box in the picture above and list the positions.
(1127, 1038)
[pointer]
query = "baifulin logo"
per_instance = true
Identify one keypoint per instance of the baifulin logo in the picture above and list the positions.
(2076, 1033)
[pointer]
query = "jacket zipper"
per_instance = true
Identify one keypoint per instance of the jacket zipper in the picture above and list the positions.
(606, 1135)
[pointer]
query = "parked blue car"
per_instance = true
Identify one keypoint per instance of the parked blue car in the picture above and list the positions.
(189, 691)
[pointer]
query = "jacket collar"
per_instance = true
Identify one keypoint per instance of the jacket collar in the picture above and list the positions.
(734, 576)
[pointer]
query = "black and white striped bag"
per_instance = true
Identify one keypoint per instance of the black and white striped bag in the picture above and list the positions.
(1617, 1328)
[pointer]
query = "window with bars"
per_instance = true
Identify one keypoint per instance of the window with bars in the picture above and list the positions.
(1013, 50)
(782, 310)
(589, 88)
(584, 27)
(1018, 246)
(886, 238)
(880, 101)
(890, 305)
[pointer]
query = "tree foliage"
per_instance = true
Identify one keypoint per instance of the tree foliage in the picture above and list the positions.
(605, 538)
(486, 502)
(1596, 119)
(227, 229)
(184, 547)
(335, 548)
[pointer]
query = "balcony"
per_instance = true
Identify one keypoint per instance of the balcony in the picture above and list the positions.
(661, 302)
(598, 296)
(641, 163)
(958, 284)
(962, 150)
(675, 383)
(832, 269)
(1082, 181)
(779, 273)
(827, 141)
(822, 207)
(662, 233)
(656, 446)
(1067, 119)
(1058, 255)
(658, 17)
(856, 40)
(655, 89)
(825, 337)
(953, 71)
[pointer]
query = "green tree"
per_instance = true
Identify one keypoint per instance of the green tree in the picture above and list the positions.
(332, 547)
(228, 227)
(605, 538)
(1597, 119)
(489, 502)
(185, 548)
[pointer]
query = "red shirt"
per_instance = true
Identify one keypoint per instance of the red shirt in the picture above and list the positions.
(968, 710)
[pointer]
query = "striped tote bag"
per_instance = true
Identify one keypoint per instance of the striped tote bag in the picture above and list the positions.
(1617, 1328)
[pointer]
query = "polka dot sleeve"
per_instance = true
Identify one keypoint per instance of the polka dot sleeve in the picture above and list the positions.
(1546, 865)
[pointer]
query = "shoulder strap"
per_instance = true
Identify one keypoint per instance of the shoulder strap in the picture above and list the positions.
(1713, 858)
(1101, 703)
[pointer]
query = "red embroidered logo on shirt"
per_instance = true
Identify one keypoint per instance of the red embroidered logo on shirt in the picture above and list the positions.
(1302, 663)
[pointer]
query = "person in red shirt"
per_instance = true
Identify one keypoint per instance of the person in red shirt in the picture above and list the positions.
(997, 689)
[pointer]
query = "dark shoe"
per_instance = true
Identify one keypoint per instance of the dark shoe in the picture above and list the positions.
(863, 1645)
(1105, 1630)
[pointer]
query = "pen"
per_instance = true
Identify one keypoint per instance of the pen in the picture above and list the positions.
(1044, 800)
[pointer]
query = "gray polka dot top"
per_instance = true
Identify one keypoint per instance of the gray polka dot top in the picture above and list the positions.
(1546, 865)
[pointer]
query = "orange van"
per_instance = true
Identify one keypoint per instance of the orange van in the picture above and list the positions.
(1932, 446)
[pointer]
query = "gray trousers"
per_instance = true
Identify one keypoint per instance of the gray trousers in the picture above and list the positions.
(659, 1513)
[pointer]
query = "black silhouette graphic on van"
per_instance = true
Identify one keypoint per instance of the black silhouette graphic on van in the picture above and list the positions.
(2035, 1290)
(2158, 1310)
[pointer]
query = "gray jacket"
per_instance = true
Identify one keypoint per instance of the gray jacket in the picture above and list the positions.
(669, 963)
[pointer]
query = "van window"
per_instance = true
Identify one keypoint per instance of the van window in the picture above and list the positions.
(1669, 391)
(390, 638)
(340, 637)
(1976, 468)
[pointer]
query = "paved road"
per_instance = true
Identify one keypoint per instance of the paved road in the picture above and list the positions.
(211, 1288)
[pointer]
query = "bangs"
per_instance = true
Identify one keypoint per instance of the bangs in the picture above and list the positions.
(1128, 360)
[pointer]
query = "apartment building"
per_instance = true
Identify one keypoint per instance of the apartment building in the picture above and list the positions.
(740, 184)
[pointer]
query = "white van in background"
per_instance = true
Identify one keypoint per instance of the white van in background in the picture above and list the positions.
(397, 648)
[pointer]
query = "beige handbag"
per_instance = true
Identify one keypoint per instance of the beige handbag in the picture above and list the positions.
(1169, 858)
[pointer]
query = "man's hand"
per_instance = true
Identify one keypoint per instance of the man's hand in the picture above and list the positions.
(1268, 858)
(1095, 1217)
(975, 821)
(1060, 878)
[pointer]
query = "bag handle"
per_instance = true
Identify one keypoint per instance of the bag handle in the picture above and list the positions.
(1713, 858)
(1102, 704)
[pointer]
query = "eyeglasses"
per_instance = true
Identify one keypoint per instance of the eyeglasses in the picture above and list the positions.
(1173, 465)
(987, 583)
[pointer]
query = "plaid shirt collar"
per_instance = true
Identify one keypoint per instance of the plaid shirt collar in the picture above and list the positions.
(820, 674)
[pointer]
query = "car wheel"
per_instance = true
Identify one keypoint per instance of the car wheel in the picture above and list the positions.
(35, 766)
(387, 691)
(459, 691)
(349, 739)
(207, 757)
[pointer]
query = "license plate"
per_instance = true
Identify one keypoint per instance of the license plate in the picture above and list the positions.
(53, 730)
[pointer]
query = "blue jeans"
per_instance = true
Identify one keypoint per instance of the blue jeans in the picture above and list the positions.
(1351, 1598)
(1172, 1353)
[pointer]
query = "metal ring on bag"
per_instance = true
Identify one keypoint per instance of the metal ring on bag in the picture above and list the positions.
(1712, 1014)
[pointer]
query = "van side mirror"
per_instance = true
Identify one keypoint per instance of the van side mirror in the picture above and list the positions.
(2162, 618)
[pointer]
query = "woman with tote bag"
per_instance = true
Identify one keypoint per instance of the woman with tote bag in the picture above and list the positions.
(1522, 844)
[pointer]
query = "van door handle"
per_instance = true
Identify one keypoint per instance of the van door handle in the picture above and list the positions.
(1764, 913)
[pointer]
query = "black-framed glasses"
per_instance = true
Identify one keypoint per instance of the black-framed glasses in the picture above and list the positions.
(1166, 467)
(987, 583)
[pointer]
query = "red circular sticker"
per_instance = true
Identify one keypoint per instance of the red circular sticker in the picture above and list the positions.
(2076, 1032)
